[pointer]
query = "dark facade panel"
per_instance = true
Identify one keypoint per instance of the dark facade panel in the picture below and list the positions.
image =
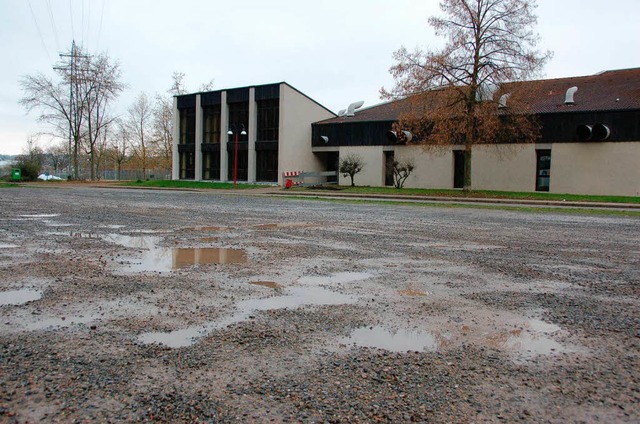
(238, 95)
(209, 147)
(563, 127)
(186, 148)
(186, 101)
(266, 145)
(351, 134)
(211, 99)
(241, 146)
(267, 92)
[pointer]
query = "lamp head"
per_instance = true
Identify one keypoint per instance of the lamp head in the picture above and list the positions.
(229, 132)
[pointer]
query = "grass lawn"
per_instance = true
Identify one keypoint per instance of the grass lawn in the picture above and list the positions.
(481, 194)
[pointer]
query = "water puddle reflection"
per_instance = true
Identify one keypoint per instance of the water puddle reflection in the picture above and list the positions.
(399, 340)
(294, 297)
(530, 340)
(19, 297)
(164, 259)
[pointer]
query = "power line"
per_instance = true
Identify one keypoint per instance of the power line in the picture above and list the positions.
(100, 27)
(35, 21)
(53, 24)
(73, 31)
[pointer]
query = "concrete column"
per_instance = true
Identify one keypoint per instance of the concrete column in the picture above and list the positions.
(175, 156)
(224, 127)
(198, 167)
(252, 130)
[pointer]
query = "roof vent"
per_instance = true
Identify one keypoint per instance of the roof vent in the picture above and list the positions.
(351, 110)
(502, 103)
(568, 99)
(601, 132)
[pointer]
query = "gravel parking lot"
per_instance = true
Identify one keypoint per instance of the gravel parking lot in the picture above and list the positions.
(175, 306)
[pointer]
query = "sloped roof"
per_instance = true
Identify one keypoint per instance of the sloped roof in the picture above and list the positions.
(606, 91)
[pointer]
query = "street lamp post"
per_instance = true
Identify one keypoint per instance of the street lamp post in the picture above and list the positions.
(235, 153)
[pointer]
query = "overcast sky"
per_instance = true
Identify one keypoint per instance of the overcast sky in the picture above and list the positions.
(335, 51)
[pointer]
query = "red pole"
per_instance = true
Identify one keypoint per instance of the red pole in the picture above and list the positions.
(235, 162)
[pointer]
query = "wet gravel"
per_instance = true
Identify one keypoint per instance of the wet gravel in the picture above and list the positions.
(533, 317)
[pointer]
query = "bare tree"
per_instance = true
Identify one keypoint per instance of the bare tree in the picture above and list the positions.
(75, 104)
(139, 122)
(58, 156)
(402, 169)
(489, 43)
(350, 166)
(177, 86)
(101, 85)
(119, 146)
(163, 130)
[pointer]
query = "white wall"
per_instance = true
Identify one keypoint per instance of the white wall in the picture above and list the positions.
(297, 112)
(433, 169)
(372, 173)
(504, 167)
(596, 168)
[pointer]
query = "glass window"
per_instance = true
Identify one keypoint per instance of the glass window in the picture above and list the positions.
(543, 169)
(211, 124)
(268, 119)
(239, 119)
(267, 165)
(188, 126)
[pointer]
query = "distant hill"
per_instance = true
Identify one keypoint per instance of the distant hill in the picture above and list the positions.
(6, 159)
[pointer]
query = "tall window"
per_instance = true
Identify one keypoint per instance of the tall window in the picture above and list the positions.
(267, 165)
(211, 124)
(188, 126)
(238, 116)
(543, 169)
(458, 169)
(210, 165)
(268, 119)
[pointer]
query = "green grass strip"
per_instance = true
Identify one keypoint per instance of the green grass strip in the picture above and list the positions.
(452, 205)
(481, 194)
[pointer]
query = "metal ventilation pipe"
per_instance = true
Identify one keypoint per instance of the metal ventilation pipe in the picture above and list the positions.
(584, 132)
(601, 132)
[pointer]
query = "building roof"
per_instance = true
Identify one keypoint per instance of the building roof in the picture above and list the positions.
(614, 90)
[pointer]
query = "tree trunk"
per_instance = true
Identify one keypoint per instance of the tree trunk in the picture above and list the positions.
(466, 187)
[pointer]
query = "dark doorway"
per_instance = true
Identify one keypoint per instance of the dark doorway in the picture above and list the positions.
(389, 157)
(543, 169)
(458, 169)
(330, 162)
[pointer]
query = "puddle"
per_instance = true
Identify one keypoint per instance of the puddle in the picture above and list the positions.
(165, 259)
(19, 297)
(400, 340)
(270, 284)
(294, 297)
(530, 340)
(339, 278)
